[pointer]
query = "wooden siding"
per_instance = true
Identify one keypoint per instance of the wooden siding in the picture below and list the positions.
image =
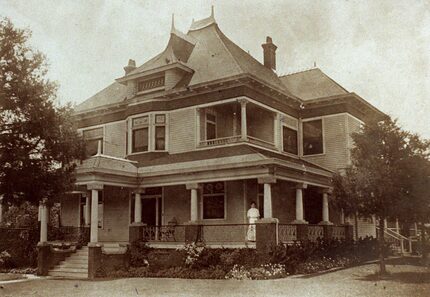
(70, 210)
(115, 139)
(182, 130)
(335, 143)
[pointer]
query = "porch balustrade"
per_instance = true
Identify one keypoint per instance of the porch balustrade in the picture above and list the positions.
(220, 141)
(338, 232)
(166, 233)
(224, 233)
(315, 232)
(69, 234)
(261, 142)
(287, 233)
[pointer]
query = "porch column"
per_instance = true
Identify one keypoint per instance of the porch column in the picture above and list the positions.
(278, 131)
(397, 226)
(267, 182)
(299, 204)
(1, 209)
(243, 127)
(137, 208)
(198, 129)
(342, 217)
(87, 209)
(43, 221)
(94, 211)
(325, 208)
(194, 203)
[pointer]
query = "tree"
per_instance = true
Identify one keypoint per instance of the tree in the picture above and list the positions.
(38, 141)
(387, 177)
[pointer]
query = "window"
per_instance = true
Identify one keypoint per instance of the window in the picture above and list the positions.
(289, 137)
(139, 135)
(210, 126)
(312, 137)
(260, 200)
(92, 138)
(149, 84)
(100, 210)
(214, 200)
(160, 132)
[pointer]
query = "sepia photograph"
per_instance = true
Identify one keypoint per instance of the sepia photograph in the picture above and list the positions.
(215, 148)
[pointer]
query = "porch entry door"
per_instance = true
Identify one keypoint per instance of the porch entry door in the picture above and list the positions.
(152, 210)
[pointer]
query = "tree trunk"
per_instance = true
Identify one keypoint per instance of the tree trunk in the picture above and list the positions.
(424, 251)
(381, 242)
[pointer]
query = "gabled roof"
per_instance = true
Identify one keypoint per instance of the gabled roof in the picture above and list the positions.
(312, 84)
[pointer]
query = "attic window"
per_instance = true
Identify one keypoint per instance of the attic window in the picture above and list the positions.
(150, 84)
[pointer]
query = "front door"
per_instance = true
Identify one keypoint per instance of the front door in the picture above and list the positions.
(151, 211)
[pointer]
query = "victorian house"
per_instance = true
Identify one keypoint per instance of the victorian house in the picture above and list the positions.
(180, 146)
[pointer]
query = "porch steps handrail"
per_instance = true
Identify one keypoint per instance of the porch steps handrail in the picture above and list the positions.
(400, 239)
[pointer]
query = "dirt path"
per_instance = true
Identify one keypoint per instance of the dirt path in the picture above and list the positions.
(405, 280)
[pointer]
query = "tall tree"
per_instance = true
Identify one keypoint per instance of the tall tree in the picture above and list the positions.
(383, 178)
(38, 142)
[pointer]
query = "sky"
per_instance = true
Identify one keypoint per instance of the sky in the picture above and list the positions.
(377, 49)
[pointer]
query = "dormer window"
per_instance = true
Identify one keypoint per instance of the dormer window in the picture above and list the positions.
(150, 84)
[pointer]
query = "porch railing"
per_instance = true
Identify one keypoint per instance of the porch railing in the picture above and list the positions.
(315, 232)
(261, 142)
(339, 232)
(287, 233)
(166, 233)
(225, 233)
(220, 141)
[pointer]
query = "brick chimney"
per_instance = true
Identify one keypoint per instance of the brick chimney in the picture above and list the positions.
(269, 50)
(130, 67)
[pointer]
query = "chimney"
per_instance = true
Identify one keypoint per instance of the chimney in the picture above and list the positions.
(269, 50)
(130, 67)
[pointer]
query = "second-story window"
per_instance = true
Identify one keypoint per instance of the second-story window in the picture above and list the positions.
(140, 134)
(210, 126)
(289, 140)
(92, 138)
(313, 137)
(160, 132)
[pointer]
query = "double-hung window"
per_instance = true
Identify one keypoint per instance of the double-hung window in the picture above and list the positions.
(213, 200)
(289, 137)
(92, 137)
(211, 126)
(140, 134)
(313, 137)
(160, 132)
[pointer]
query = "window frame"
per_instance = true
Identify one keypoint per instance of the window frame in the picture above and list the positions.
(322, 137)
(152, 137)
(140, 127)
(155, 83)
(156, 125)
(284, 126)
(211, 113)
(94, 138)
(212, 195)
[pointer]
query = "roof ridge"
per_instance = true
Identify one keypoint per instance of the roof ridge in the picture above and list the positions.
(217, 31)
(301, 71)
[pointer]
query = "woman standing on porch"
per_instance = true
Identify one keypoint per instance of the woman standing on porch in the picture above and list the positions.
(253, 215)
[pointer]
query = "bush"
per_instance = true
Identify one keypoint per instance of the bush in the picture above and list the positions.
(139, 254)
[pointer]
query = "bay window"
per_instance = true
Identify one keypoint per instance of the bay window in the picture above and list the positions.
(160, 132)
(92, 138)
(289, 140)
(139, 135)
(148, 133)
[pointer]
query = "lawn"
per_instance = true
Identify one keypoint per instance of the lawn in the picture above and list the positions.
(10, 276)
(406, 279)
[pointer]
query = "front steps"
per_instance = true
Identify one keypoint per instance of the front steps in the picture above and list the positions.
(74, 266)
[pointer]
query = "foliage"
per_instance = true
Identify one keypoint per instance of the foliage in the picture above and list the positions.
(5, 259)
(389, 176)
(20, 244)
(139, 254)
(19, 216)
(264, 271)
(193, 252)
(38, 140)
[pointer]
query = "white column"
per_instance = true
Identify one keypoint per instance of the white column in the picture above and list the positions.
(87, 209)
(325, 207)
(299, 204)
(268, 201)
(198, 126)
(397, 226)
(1, 210)
(194, 201)
(277, 131)
(137, 208)
(43, 222)
(342, 217)
(416, 229)
(243, 127)
(94, 216)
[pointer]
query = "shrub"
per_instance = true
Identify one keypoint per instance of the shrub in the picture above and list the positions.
(139, 254)
(5, 260)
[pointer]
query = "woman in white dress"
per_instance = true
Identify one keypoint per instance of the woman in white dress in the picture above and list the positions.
(253, 215)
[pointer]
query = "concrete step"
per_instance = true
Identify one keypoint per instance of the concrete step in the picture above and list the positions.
(72, 265)
(76, 261)
(63, 274)
(73, 270)
(75, 257)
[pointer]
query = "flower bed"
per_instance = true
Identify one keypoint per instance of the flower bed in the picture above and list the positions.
(197, 261)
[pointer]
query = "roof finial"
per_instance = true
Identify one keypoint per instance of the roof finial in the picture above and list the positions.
(212, 11)
(315, 64)
(173, 22)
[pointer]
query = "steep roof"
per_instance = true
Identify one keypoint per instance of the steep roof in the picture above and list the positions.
(114, 93)
(205, 50)
(312, 84)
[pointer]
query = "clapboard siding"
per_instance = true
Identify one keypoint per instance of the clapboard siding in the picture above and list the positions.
(182, 128)
(115, 138)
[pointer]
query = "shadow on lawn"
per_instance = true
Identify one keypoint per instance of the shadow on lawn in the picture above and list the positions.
(407, 277)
